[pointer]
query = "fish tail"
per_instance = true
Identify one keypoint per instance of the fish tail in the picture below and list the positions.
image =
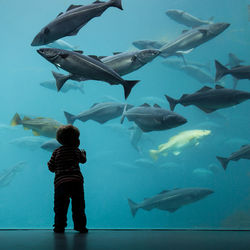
(69, 117)
(60, 80)
(223, 161)
(16, 120)
(128, 85)
(172, 102)
(117, 4)
(123, 113)
(154, 154)
(133, 207)
(221, 70)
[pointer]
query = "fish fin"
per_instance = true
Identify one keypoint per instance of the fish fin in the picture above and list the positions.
(244, 145)
(26, 118)
(153, 154)
(217, 86)
(145, 105)
(133, 207)
(60, 79)
(221, 70)
(59, 14)
(78, 51)
(203, 31)
(101, 57)
(116, 53)
(26, 128)
(172, 102)
(171, 210)
(128, 85)
(117, 4)
(181, 52)
(94, 105)
(197, 143)
(123, 114)
(95, 57)
(164, 191)
(72, 6)
(35, 133)
(223, 161)
(204, 89)
(69, 117)
(16, 120)
(98, 1)
(206, 110)
(157, 106)
(176, 153)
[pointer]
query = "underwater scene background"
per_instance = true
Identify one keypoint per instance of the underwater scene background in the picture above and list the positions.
(116, 169)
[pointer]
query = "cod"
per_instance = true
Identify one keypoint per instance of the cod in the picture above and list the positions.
(39, 126)
(179, 141)
(170, 200)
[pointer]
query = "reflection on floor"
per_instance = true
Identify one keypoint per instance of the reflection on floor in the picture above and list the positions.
(124, 240)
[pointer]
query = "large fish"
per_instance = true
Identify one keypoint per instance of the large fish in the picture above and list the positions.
(210, 100)
(7, 175)
(198, 74)
(176, 143)
(85, 67)
(192, 38)
(238, 72)
(39, 126)
(185, 18)
(154, 118)
(179, 64)
(127, 62)
(242, 153)
(70, 22)
(99, 112)
(170, 200)
(51, 84)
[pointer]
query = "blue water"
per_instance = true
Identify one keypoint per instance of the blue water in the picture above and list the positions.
(111, 174)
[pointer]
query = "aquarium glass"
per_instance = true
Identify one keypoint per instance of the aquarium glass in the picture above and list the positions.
(119, 165)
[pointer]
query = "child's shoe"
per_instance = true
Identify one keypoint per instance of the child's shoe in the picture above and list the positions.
(83, 230)
(58, 230)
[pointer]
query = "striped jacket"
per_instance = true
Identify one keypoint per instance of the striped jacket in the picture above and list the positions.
(64, 162)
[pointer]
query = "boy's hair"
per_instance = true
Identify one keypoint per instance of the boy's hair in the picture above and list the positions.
(68, 135)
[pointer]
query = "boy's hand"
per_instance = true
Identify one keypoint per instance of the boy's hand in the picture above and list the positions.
(83, 152)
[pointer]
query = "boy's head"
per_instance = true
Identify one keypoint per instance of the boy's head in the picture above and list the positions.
(68, 135)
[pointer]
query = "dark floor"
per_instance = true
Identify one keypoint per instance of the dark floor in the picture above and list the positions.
(124, 239)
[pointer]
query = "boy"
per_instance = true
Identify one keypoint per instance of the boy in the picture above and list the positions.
(68, 181)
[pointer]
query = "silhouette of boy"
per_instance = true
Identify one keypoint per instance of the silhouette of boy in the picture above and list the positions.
(68, 181)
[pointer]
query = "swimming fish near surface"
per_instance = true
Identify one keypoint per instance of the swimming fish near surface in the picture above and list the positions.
(176, 143)
(70, 22)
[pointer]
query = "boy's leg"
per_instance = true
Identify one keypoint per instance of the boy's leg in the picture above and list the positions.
(78, 206)
(61, 204)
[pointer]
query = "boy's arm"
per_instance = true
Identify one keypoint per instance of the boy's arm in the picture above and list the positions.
(51, 163)
(82, 158)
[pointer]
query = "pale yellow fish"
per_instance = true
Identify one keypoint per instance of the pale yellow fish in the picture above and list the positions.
(176, 143)
(39, 126)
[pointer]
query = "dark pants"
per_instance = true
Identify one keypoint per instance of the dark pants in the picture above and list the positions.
(63, 193)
